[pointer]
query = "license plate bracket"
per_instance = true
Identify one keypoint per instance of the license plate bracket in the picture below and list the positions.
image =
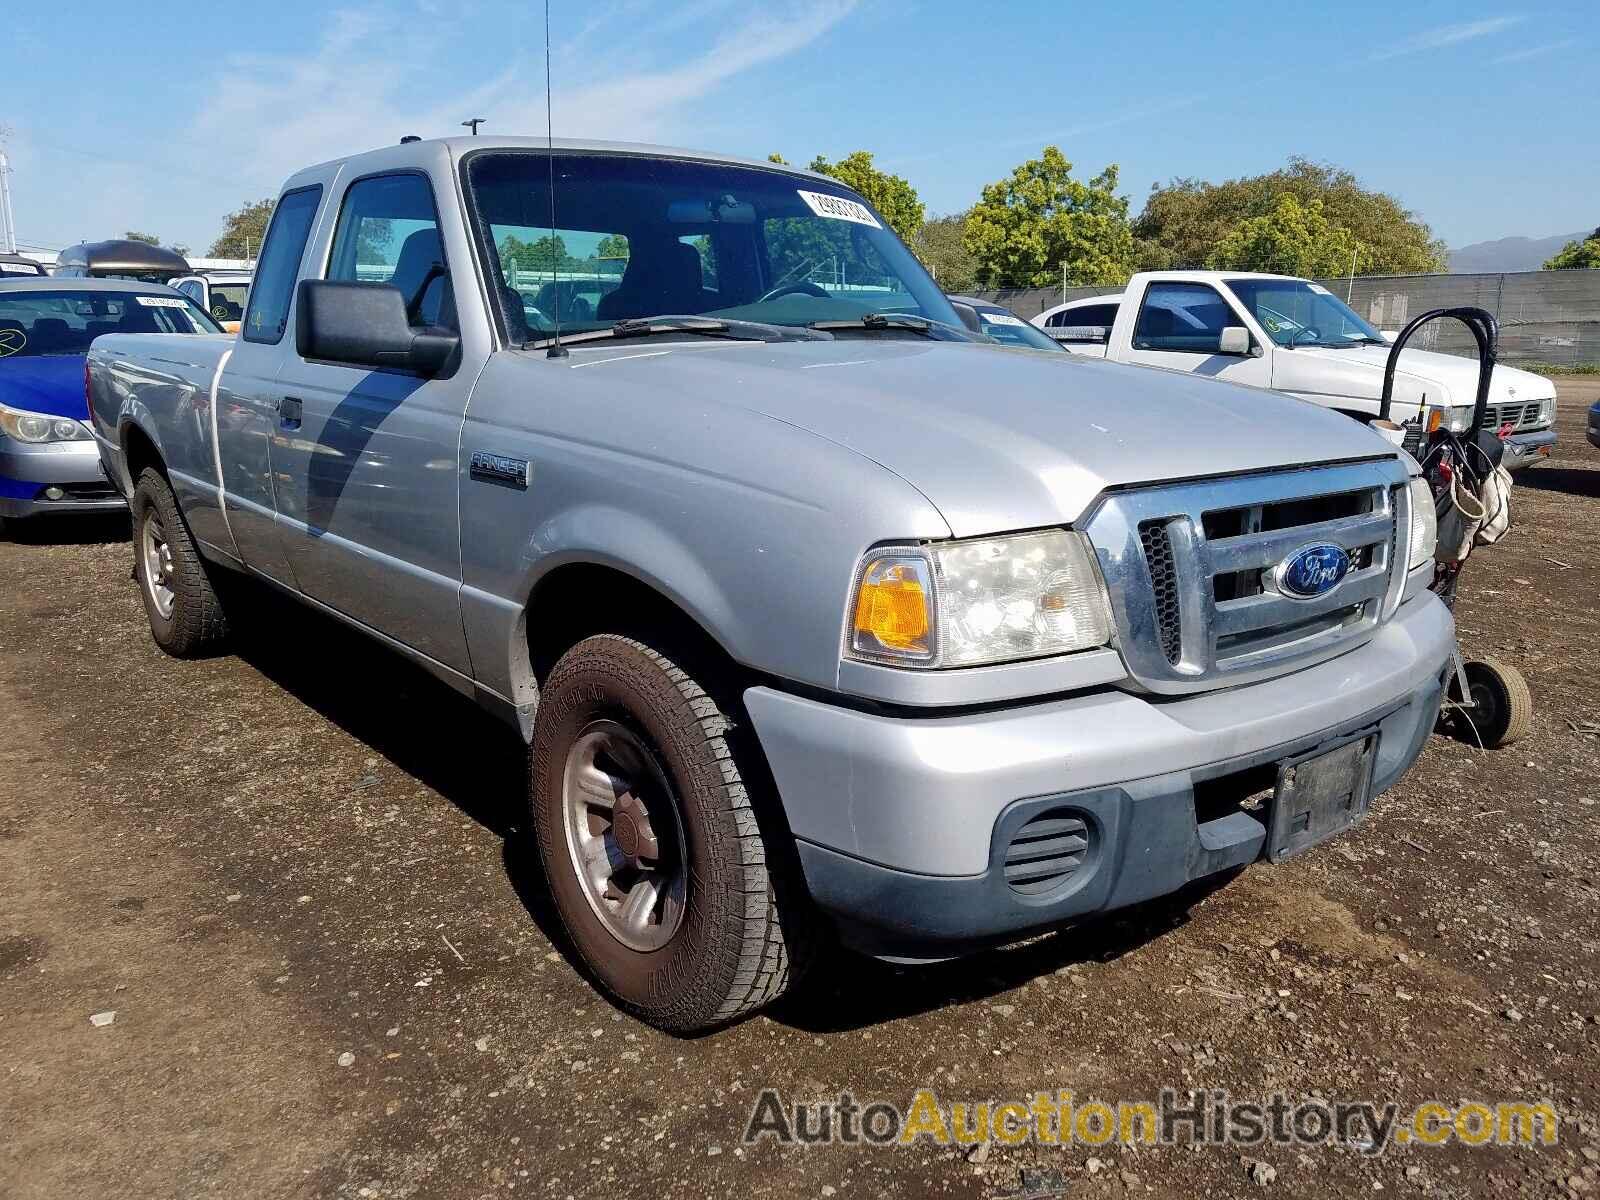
(1321, 794)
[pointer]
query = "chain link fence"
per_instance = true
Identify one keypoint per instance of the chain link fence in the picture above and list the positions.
(1548, 317)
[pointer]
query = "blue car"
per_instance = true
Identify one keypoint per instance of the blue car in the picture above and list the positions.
(1594, 425)
(48, 460)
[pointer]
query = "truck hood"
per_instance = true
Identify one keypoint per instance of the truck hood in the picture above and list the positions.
(996, 439)
(1358, 372)
(50, 384)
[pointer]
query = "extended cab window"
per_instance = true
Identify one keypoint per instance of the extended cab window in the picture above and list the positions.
(1187, 317)
(389, 233)
(1103, 315)
(279, 265)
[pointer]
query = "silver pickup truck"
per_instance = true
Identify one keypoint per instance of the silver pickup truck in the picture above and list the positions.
(817, 613)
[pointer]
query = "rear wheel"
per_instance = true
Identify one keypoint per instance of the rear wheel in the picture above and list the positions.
(663, 879)
(185, 615)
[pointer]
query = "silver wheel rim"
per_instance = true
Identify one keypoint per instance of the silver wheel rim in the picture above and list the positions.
(624, 836)
(155, 555)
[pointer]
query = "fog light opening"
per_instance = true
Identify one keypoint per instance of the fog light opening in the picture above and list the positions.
(54, 493)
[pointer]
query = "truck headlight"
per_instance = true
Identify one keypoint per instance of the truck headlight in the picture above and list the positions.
(1424, 524)
(979, 601)
(1458, 420)
(36, 428)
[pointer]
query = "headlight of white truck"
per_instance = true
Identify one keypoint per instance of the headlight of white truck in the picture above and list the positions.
(1424, 524)
(979, 601)
(35, 428)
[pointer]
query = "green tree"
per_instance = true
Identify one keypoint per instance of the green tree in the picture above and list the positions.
(1293, 239)
(1577, 255)
(895, 199)
(546, 254)
(1041, 223)
(243, 231)
(149, 239)
(613, 245)
(1186, 219)
(939, 244)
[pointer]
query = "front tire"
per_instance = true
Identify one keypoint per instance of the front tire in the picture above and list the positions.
(186, 618)
(664, 882)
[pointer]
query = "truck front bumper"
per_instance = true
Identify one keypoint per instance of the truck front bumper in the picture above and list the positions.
(1525, 449)
(903, 824)
(56, 477)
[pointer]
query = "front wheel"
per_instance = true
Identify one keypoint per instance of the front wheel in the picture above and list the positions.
(662, 876)
(185, 614)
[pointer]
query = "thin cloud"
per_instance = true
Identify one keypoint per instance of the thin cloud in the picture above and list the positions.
(355, 89)
(1442, 36)
(1517, 56)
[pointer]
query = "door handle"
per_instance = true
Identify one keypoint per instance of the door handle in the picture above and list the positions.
(289, 412)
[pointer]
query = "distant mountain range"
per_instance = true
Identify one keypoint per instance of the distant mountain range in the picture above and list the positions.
(1510, 253)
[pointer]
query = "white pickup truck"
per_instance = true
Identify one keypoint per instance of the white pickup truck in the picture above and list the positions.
(1295, 336)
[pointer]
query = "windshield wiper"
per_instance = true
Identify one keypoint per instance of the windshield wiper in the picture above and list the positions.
(923, 326)
(716, 327)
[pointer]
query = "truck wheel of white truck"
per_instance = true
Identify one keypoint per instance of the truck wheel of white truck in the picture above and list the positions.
(185, 615)
(664, 882)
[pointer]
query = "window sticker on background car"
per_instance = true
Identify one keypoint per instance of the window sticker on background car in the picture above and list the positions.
(161, 302)
(838, 208)
(1001, 319)
(12, 340)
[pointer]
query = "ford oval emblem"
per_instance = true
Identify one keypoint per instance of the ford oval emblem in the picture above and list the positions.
(1313, 571)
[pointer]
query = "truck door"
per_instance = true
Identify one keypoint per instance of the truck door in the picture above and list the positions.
(367, 475)
(247, 399)
(1179, 326)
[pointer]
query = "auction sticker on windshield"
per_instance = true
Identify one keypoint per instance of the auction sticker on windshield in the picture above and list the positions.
(838, 208)
(160, 301)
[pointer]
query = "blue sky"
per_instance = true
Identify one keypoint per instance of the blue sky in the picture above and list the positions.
(163, 117)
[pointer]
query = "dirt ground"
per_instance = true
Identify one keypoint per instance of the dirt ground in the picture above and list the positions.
(300, 879)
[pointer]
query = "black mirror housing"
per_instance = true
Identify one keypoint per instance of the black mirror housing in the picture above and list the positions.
(968, 315)
(366, 325)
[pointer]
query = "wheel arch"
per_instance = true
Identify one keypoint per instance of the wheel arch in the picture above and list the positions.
(585, 595)
(139, 450)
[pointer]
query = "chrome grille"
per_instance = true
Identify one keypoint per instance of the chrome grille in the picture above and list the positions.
(1518, 416)
(1189, 569)
(1163, 586)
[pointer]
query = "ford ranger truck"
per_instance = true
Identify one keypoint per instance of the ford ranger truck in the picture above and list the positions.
(819, 615)
(1296, 336)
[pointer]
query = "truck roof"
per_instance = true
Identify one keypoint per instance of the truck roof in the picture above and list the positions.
(1212, 276)
(78, 283)
(453, 148)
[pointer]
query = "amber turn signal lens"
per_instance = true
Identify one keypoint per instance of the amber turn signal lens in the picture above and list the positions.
(892, 609)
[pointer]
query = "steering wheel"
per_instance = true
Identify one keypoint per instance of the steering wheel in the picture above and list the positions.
(803, 286)
(1294, 338)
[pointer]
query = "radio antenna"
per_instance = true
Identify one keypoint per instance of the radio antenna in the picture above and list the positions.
(557, 350)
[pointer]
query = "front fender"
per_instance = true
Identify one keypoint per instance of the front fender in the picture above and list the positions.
(644, 549)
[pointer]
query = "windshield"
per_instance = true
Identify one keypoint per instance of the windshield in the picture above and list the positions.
(37, 324)
(1297, 313)
(1011, 330)
(638, 237)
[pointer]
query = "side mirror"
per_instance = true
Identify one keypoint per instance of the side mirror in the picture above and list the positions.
(969, 316)
(1235, 340)
(365, 325)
